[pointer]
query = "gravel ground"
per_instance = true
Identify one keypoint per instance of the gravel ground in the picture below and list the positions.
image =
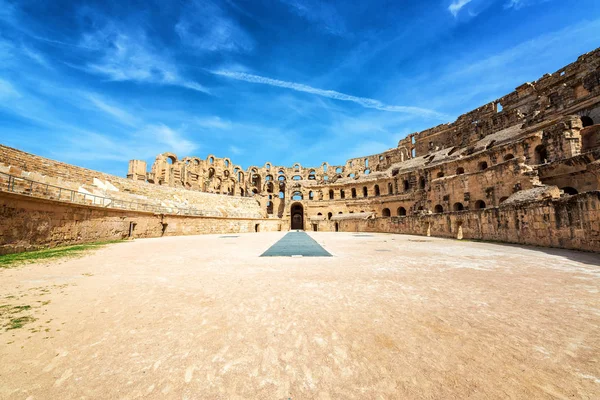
(387, 317)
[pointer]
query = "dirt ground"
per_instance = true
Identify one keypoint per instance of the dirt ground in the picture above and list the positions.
(388, 317)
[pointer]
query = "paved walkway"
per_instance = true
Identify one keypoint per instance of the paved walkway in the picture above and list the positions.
(296, 244)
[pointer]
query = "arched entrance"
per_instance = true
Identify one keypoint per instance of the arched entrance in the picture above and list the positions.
(297, 216)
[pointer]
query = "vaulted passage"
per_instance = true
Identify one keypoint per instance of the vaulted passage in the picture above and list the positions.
(296, 244)
(297, 215)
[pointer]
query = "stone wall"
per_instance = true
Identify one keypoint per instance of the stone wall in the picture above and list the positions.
(572, 222)
(28, 223)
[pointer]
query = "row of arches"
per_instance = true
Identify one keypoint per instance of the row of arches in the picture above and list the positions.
(438, 209)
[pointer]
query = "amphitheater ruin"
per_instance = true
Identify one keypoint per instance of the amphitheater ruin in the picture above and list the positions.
(522, 169)
(464, 265)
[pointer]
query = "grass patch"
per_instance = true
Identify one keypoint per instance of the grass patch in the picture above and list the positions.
(17, 323)
(9, 260)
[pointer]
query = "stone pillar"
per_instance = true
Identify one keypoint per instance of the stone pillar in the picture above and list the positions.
(137, 170)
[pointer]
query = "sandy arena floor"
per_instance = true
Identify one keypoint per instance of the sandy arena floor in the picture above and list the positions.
(388, 317)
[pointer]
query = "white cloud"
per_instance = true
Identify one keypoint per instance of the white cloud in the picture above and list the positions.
(518, 4)
(214, 123)
(320, 13)
(205, 26)
(457, 5)
(235, 150)
(128, 57)
(113, 110)
(7, 90)
(299, 87)
(173, 140)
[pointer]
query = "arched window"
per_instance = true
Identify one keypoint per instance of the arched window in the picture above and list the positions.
(268, 178)
(401, 211)
(297, 196)
(211, 160)
(329, 215)
(390, 188)
(353, 191)
(311, 195)
(338, 170)
(226, 163)
(281, 178)
(269, 207)
(325, 178)
(438, 209)
(367, 171)
(440, 174)
(376, 189)
(211, 172)
(508, 157)
(479, 205)
(311, 175)
(282, 195)
(541, 154)
(330, 194)
(386, 212)
(483, 165)
(406, 185)
(569, 190)
(458, 207)
(587, 121)
(460, 171)
(270, 187)
(365, 191)
(297, 177)
(422, 183)
(342, 194)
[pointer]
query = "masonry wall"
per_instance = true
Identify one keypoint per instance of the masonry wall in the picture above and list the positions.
(572, 223)
(27, 223)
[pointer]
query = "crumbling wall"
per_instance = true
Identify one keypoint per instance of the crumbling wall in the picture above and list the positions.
(29, 223)
(572, 222)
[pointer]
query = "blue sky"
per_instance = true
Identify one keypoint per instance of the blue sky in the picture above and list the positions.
(97, 83)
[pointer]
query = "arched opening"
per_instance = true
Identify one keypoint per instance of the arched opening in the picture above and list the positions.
(256, 180)
(365, 191)
(587, 121)
(541, 154)
(337, 227)
(330, 194)
(440, 174)
(422, 183)
(401, 211)
(329, 215)
(269, 207)
(386, 212)
(438, 209)
(353, 191)
(297, 196)
(458, 207)
(226, 163)
(257, 228)
(569, 190)
(367, 171)
(390, 188)
(377, 193)
(211, 173)
(460, 171)
(406, 185)
(311, 195)
(479, 205)
(297, 215)
(508, 157)
(270, 187)
(311, 175)
(342, 194)
(483, 165)
(338, 170)
(211, 160)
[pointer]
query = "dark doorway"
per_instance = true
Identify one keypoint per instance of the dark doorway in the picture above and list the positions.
(297, 214)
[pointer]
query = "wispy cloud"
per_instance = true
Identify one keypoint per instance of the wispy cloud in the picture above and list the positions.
(332, 94)
(205, 26)
(129, 57)
(458, 5)
(214, 123)
(115, 111)
(7, 90)
(235, 150)
(518, 4)
(320, 13)
(173, 140)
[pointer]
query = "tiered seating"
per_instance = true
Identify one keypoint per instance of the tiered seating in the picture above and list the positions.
(110, 191)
